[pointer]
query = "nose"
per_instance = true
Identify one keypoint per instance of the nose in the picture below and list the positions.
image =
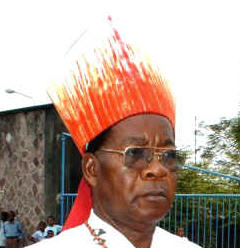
(154, 171)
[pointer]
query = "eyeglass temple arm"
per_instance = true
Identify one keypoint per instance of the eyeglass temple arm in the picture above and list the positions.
(112, 151)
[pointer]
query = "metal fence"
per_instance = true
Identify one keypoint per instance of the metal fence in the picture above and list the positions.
(210, 220)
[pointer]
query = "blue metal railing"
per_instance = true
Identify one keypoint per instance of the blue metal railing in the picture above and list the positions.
(213, 173)
(210, 220)
(62, 210)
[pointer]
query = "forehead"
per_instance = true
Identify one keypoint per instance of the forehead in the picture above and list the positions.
(144, 129)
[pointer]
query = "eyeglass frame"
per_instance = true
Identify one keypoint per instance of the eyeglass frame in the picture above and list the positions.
(159, 154)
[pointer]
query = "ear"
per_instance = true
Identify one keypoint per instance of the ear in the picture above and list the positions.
(90, 167)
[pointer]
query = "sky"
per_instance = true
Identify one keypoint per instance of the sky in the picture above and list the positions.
(195, 43)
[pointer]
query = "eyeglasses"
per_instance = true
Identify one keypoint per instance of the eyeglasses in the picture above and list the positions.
(141, 157)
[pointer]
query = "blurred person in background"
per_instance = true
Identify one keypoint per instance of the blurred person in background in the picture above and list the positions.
(39, 234)
(52, 226)
(181, 233)
(4, 217)
(13, 232)
(50, 234)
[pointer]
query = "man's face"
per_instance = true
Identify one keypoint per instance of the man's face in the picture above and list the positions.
(128, 193)
(180, 232)
(11, 216)
(50, 221)
(42, 226)
(50, 234)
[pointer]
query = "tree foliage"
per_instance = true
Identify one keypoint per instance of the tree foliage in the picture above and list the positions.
(223, 146)
(220, 153)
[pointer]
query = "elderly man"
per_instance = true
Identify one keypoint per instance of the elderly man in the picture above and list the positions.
(117, 104)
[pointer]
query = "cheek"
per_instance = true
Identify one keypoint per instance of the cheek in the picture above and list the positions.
(125, 183)
(129, 184)
(119, 184)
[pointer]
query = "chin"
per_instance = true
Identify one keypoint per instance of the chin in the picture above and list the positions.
(151, 215)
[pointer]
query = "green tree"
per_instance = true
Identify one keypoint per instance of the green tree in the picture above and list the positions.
(220, 153)
(223, 146)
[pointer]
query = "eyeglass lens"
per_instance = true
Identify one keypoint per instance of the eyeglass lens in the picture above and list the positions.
(140, 157)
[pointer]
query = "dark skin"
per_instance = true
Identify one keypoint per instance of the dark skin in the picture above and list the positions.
(50, 234)
(41, 227)
(50, 221)
(180, 232)
(147, 194)
(11, 216)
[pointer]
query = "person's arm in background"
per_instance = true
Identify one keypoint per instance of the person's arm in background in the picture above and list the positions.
(4, 229)
(45, 232)
(59, 229)
(20, 231)
(33, 238)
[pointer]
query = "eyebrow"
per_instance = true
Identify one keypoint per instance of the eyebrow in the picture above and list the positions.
(138, 140)
(142, 140)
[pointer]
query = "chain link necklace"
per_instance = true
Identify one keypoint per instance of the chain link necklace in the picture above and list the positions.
(93, 233)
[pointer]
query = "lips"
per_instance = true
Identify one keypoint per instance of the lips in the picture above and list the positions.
(155, 195)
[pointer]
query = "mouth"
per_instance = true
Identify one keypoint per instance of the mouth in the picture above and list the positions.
(155, 196)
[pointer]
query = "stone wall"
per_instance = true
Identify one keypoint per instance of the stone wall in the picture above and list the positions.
(30, 164)
(22, 166)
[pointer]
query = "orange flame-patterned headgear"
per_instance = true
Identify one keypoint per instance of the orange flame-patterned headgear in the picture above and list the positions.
(106, 84)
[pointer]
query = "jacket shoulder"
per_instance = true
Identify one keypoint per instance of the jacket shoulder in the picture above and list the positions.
(172, 240)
